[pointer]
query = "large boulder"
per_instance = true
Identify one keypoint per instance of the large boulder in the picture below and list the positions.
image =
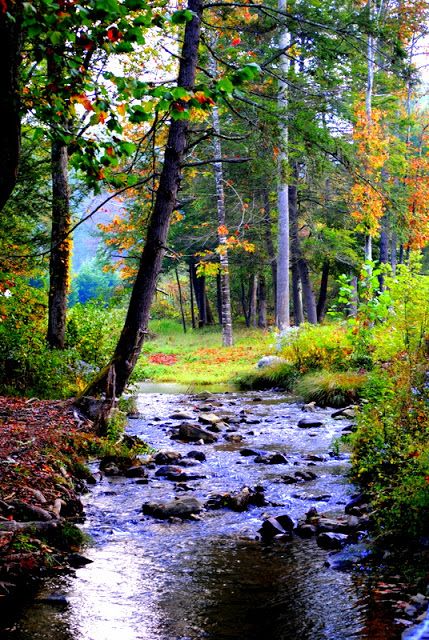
(270, 361)
(194, 433)
(182, 508)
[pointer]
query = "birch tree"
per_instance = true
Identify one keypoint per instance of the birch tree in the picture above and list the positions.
(282, 301)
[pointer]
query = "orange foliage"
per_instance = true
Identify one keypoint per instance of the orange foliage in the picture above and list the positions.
(372, 154)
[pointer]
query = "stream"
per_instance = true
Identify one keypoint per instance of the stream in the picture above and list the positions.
(213, 578)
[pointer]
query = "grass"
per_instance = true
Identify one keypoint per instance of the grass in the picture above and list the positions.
(172, 356)
(283, 376)
(331, 388)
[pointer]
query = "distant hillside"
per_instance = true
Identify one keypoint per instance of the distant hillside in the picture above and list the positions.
(86, 238)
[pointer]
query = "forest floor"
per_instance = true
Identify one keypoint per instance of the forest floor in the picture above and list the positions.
(198, 357)
(39, 478)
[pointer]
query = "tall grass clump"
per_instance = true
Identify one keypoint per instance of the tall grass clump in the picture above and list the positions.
(331, 388)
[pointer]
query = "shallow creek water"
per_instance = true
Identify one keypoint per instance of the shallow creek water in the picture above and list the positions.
(213, 578)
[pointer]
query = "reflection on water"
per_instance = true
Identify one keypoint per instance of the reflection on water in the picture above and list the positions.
(212, 579)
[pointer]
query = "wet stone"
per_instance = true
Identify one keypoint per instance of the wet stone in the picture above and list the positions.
(252, 452)
(209, 418)
(182, 415)
(289, 479)
(193, 433)
(136, 471)
(176, 474)
(198, 455)
(309, 423)
(233, 437)
(306, 530)
(331, 541)
(167, 457)
(271, 458)
(182, 508)
(306, 476)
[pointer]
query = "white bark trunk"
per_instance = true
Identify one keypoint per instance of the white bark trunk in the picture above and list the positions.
(282, 302)
(225, 290)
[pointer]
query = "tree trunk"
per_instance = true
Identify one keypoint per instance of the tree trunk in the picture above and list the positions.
(262, 302)
(384, 250)
(10, 106)
(182, 312)
(394, 252)
(191, 297)
(354, 303)
(59, 261)
(244, 305)
(269, 239)
(135, 328)
(225, 289)
(253, 300)
(298, 312)
(323, 292)
(282, 300)
(298, 260)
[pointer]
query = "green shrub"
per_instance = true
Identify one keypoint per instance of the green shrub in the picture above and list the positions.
(313, 347)
(93, 330)
(391, 450)
(331, 388)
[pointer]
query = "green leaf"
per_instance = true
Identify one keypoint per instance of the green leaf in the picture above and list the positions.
(179, 92)
(182, 16)
(225, 85)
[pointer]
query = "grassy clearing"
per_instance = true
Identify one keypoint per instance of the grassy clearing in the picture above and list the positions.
(172, 356)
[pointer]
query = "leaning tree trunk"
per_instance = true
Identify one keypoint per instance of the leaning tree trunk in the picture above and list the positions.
(135, 328)
(225, 289)
(59, 262)
(10, 107)
(282, 300)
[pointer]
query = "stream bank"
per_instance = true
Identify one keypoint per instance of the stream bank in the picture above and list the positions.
(212, 576)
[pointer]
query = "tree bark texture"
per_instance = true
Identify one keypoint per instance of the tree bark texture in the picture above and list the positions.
(262, 302)
(10, 106)
(269, 239)
(225, 289)
(253, 300)
(384, 250)
(182, 311)
(135, 328)
(59, 260)
(323, 292)
(298, 258)
(191, 297)
(282, 299)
